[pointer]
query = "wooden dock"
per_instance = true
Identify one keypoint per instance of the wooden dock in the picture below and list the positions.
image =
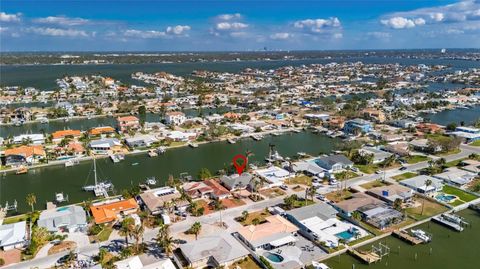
(365, 256)
(407, 237)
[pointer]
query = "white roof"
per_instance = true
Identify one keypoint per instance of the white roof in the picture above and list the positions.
(273, 174)
(12, 234)
(283, 241)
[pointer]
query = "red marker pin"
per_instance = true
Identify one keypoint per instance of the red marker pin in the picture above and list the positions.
(239, 167)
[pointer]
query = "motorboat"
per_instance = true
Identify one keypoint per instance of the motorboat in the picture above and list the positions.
(114, 158)
(60, 197)
(152, 153)
(21, 170)
(151, 181)
(71, 162)
(161, 150)
(231, 141)
(193, 145)
(257, 137)
(44, 121)
(422, 235)
(319, 265)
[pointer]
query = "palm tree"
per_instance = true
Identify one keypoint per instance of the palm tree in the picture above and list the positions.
(31, 200)
(311, 191)
(165, 240)
(126, 228)
(195, 229)
(428, 183)
(137, 233)
(244, 215)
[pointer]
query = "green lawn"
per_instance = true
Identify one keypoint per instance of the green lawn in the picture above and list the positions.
(374, 184)
(15, 219)
(464, 196)
(367, 169)
(404, 176)
(454, 151)
(453, 163)
(416, 159)
(345, 175)
(456, 203)
(104, 234)
(430, 209)
(304, 180)
(476, 143)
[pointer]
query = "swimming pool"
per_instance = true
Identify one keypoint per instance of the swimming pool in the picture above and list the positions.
(273, 257)
(445, 198)
(346, 235)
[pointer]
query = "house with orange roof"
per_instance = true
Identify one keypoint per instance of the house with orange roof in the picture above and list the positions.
(110, 212)
(275, 232)
(219, 191)
(127, 123)
(231, 116)
(59, 135)
(197, 190)
(24, 155)
(430, 128)
(101, 131)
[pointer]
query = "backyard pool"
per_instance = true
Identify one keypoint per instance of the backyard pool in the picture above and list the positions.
(346, 235)
(273, 257)
(445, 198)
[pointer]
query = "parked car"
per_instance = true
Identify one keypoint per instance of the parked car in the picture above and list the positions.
(333, 182)
(402, 168)
(378, 172)
(284, 187)
(321, 197)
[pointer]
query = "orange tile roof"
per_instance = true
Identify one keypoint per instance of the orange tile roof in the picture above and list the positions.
(64, 133)
(275, 224)
(26, 151)
(127, 118)
(218, 189)
(75, 146)
(108, 212)
(101, 130)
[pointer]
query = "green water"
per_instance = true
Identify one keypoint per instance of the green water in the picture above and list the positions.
(44, 182)
(449, 249)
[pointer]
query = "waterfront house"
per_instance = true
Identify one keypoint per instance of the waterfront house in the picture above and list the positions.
(181, 136)
(318, 222)
(64, 219)
(419, 185)
(153, 200)
(429, 128)
(309, 168)
(390, 193)
(13, 235)
(24, 155)
(378, 155)
(274, 176)
(105, 146)
(357, 126)
(128, 123)
(197, 190)
(219, 191)
(62, 134)
(108, 211)
(141, 141)
(275, 232)
(398, 148)
(468, 134)
(456, 176)
(29, 139)
(380, 216)
(175, 117)
(236, 182)
(334, 163)
(101, 131)
(374, 114)
(336, 122)
(210, 252)
(423, 145)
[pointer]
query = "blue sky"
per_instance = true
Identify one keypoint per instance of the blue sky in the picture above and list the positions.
(156, 25)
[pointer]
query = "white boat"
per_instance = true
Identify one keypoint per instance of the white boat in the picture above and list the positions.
(231, 141)
(276, 134)
(319, 265)
(151, 181)
(193, 145)
(273, 155)
(420, 234)
(296, 131)
(60, 197)
(44, 121)
(114, 158)
(161, 150)
(302, 154)
(257, 137)
(100, 188)
(71, 162)
(152, 153)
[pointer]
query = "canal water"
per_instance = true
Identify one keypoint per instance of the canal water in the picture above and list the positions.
(44, 76)
(467, 115)
(448, 249)
(44, 182)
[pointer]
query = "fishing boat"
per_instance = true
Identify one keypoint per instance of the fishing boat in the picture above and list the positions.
(21, 170)
(231, 141)
(100, 188)
(273, 155)
(151, 181)
(152, 153)
(420, 234)
(60, 197)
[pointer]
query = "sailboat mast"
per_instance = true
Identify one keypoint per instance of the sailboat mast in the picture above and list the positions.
(95, 170)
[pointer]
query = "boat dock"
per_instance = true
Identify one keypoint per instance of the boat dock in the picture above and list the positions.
(442, 220)
(365, 256)
(404, 235)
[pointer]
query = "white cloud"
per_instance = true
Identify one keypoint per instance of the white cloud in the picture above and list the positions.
(178, 29)
(61, 20)
(57, 32)
(144, 34)
(280, 36)
(318, 25)
(228, 26)
(4, 17)
(400, 23)
(228, 17)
